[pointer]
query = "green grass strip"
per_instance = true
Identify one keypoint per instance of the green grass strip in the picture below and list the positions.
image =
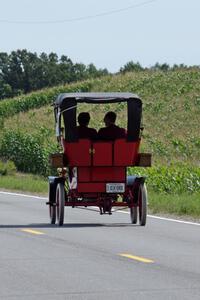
(185, 204)
(24, 183)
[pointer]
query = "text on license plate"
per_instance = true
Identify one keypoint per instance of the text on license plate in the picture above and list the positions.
(115, 187)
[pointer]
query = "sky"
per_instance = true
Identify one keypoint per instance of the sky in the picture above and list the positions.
(107, 33)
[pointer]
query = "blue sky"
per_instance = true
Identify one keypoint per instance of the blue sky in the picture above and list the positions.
(158, 31)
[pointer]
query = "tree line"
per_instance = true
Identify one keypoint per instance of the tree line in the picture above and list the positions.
(136, 67)
(22, 72)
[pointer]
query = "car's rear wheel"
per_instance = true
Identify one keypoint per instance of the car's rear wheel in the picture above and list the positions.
(52, 213)
(52, 203)
(60, 203)
(142, 204)
(134, 214)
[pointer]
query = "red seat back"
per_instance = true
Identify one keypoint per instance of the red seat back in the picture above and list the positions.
(78, 153)
(125, 153)
(101, 154)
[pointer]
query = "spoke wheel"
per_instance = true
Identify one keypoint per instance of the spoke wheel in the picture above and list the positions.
(60, 203)
(52, 204)
(134, 214)
(142, 204)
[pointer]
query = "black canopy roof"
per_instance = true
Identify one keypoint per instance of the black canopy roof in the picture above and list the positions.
(66, 104)
(63, 99)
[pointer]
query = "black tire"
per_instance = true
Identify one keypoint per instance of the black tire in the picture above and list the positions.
(52, 203)
(52, 214)
(142, 204)
(60, 203)
(134, 214)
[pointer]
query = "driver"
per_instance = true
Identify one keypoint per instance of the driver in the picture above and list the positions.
(83, 131)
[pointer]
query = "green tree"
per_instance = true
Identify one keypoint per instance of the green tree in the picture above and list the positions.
(162, 67)
(131, 67)
(5, 90)
(22, 72)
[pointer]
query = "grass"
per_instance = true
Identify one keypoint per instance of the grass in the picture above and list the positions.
(180, 205)
(24, 183)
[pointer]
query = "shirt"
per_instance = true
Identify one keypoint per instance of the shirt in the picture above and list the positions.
(85, 132)
(111, 133)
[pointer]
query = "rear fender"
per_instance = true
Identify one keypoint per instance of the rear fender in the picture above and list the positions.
(56, 180)
(135, 180)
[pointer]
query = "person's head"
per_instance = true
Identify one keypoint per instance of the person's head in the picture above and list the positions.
(84, 119)
(110, 118)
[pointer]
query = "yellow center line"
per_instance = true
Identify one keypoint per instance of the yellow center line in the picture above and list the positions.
(32, 231)
(138, 258)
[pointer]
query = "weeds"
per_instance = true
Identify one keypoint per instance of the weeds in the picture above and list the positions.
(172, 179)
(7, 168)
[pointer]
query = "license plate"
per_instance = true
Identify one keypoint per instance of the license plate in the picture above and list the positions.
(115, 187)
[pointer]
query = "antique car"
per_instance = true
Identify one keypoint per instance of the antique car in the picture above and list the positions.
(94, 172)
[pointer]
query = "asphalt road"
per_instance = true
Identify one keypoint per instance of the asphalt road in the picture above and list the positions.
(93, 256)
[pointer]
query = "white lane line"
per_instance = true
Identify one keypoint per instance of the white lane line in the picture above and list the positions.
(167, 219)
(124, 212)
(173, 220)
(23, 195)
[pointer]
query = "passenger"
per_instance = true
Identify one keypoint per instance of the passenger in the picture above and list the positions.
(83, 131)
(111, 132)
